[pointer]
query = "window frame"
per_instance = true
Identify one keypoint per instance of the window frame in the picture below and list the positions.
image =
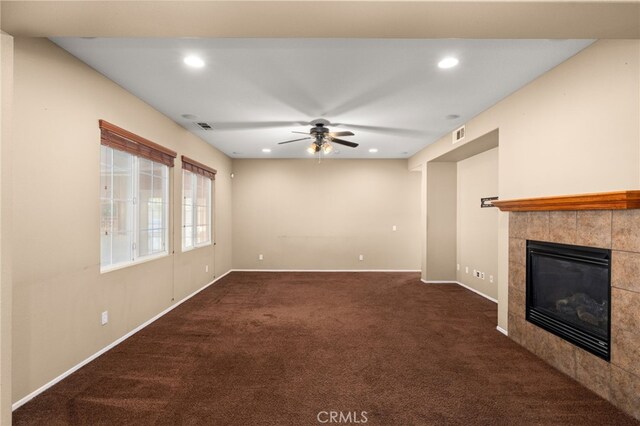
(117, 139)
(136, 204)
(194, 211)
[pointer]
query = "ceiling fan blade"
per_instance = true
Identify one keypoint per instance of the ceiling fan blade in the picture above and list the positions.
(346, 143)
(294, 140)
(249, 125)
(343, 133)
(382, 129)
(302, 133)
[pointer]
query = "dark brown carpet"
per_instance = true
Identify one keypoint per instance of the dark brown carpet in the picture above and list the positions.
(278, 348)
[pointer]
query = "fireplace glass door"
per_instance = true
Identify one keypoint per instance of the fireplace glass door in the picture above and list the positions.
(568, 293)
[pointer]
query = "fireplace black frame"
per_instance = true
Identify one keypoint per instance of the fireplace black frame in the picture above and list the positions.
(579, 337)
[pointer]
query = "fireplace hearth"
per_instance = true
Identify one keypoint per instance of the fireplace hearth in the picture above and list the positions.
(568, 293)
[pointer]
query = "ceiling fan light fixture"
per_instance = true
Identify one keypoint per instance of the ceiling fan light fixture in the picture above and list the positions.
(327, 148)
(313, 148)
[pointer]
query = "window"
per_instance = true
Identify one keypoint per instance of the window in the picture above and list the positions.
(134, 200)
(197, 181)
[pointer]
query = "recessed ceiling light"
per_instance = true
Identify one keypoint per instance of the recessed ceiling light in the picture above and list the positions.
(452, 116)
(373, 150)
(189, 116)
(448, 62)
(194, 61)
(266, 150)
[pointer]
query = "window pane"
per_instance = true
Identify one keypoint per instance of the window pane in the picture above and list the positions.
(122, 216)
(106, 217)
(187, 208)
(157, 240)
(122, 244)
(116, 207)
(106, 165)
(151, 242)
(188, 215)
(122, 175)
(187, 233)
(202, 192)
(209, 184)
(202, 217)
(187, 186)
(152, 212)
(158, 187)
(160, 171)
(145, 166)
(202, 234)
(145, 188)
(144, 203)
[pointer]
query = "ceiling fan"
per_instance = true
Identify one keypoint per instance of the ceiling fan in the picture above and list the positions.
(322, 138)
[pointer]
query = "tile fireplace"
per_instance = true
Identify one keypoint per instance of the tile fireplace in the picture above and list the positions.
(605, 225)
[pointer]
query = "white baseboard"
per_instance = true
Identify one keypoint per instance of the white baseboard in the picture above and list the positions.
(477, 292)
(325, 270)
(460, 284)
(438, 282)
(73, 369)
(502, 330)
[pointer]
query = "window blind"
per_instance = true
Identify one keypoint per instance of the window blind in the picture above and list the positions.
(198, 168)
(123, 140)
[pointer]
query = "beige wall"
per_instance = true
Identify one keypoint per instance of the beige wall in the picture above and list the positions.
(301, 214)
(477, 228)
(575, 129)
(6, 99)
(441, 222)
(59, 292)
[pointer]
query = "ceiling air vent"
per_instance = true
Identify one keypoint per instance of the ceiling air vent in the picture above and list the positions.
(458, 134)
(205, 126)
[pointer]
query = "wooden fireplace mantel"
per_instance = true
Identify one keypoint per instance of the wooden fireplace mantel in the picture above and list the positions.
(618, 200)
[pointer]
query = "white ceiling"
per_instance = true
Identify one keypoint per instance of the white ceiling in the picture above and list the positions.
(255, 92)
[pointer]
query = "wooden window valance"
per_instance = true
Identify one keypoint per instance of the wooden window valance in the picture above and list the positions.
(198, 168)
(123, 140)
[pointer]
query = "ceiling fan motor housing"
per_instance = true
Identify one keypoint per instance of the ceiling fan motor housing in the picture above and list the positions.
(319, 129)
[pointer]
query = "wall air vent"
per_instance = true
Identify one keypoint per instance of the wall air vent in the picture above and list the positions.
(458, 134)
(205, 126)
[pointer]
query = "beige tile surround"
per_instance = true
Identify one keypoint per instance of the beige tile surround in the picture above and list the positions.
(619, 230)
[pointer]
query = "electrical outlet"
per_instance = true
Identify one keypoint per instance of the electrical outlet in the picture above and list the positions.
(260, 257)
(482, 275)
(104, 317)
(395, 228)
(361, 257)
(457, 266)
(466, 269)
(476, 273)
(490, 278)
(206, 268)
